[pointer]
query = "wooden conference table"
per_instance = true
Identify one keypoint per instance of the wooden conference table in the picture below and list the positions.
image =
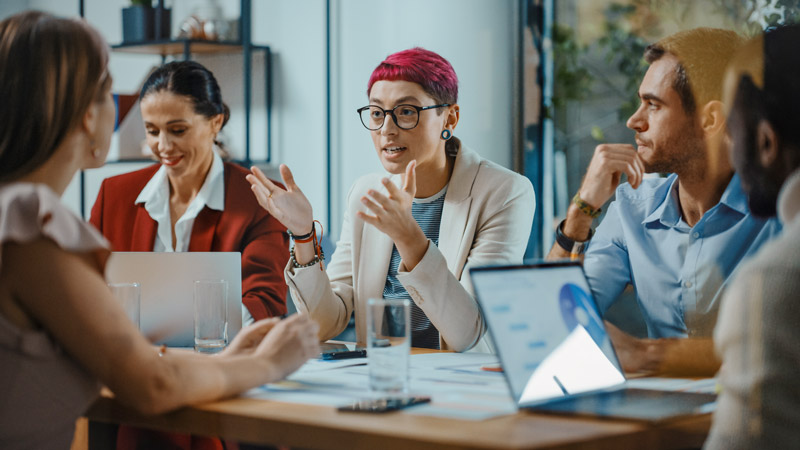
(322, 427)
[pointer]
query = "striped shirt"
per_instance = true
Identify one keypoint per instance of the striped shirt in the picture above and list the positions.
(428, 214)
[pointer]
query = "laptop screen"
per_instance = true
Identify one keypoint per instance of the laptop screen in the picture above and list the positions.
(167, 290)
(548, 333)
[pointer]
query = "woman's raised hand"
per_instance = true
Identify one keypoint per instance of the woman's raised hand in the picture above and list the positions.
(290, 206)
(392, 215)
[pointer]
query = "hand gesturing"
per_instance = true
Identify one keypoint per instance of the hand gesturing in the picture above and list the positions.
(392, 215)
(290, 206)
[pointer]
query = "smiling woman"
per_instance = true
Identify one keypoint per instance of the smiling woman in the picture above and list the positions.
(414, 231)
(192, 200)
(62, 333)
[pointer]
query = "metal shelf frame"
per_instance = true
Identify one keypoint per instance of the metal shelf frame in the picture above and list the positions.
(165, 46)
(186, 47)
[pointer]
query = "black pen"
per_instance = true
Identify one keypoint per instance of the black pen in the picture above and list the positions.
(345, 354)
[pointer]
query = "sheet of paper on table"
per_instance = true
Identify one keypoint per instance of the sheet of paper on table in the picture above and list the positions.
(454, 381)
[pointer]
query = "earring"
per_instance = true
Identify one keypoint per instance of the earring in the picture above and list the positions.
(93, 149)
(446, 134)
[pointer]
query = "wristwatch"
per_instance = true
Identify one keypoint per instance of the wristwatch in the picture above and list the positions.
(574, 248)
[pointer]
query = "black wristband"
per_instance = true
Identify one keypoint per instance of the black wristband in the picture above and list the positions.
(303, 237)
(574, 247)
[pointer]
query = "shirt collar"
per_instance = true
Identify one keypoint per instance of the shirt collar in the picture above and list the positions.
(213, 190)
(156, 189)
(212, 193)
(734, 196)
(668, 212)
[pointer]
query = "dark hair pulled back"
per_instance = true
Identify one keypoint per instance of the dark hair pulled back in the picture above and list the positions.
(189, 79)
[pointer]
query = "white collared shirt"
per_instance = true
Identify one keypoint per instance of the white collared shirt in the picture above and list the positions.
(155, 197)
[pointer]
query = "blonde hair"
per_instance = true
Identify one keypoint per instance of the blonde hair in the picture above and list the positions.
(52, 70)
(703, 54)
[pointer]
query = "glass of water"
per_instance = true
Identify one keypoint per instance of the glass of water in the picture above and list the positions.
(388, 345)
(129, 296)
(210, 315)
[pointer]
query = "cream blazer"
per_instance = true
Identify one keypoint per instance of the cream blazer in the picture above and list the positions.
(486, 219)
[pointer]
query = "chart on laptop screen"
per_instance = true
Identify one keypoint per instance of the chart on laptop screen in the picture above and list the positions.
(547, 331)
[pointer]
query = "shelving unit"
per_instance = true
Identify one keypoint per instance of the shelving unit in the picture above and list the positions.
(187, 47)
(166, 47)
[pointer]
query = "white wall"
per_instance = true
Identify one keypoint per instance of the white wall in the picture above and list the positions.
(10, 7)
(474, 35)
(295, 31)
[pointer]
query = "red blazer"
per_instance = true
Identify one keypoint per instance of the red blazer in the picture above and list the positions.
(244, 226)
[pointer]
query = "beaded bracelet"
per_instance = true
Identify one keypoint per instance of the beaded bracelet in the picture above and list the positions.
(312, 236)
(319, 257)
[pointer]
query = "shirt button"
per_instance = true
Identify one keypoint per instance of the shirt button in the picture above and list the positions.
(687, 284)
(695, 235)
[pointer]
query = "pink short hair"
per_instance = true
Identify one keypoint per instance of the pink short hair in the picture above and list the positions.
(428, 69)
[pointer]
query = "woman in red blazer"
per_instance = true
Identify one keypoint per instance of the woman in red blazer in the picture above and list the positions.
(191, 200)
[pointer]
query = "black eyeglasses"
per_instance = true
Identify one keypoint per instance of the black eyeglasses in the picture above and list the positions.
(405, 117)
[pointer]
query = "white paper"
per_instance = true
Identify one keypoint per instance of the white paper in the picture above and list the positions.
(455, 382)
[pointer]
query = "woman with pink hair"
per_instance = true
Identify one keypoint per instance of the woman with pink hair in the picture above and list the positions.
(414, 232)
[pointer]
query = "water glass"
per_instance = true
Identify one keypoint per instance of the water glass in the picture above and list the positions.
(388, 345)
(210, 315)
(129, 296)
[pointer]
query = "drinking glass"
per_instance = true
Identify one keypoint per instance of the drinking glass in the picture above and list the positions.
(210, 315)
(388, 345)
(129, 296)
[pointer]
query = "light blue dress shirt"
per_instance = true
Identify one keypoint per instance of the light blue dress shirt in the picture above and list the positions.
(678, 272)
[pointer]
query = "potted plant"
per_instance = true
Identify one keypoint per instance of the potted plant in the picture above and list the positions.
(140, 22)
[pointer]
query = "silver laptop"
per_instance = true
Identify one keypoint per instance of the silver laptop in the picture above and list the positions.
(167, 290)
(555, 351)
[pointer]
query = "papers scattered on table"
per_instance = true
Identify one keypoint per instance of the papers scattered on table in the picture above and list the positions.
(454, 381)
(319, 365)
(470, 362)
(458, 386)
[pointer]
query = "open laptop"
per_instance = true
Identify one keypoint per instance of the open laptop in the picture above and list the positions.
(555, 351)
(167, 290)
